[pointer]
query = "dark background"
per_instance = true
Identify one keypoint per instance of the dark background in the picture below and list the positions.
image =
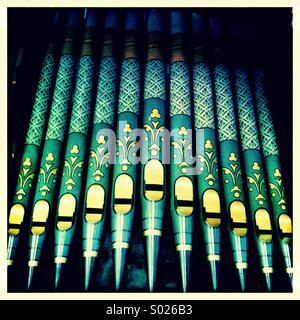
(29, 28)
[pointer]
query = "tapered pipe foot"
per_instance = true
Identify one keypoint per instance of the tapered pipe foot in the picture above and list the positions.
(184, 258)
(152, 247)
(88, 271)
(120, 255)
(215, 272)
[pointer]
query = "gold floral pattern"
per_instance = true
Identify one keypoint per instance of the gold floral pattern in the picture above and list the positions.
(234, 175)
(75, 149)
(46, 174)
(98, 159)
(155, 130)
(72, 165)
(155, 114)
(182, 131)
(125, 145)
(232, 157)
(50, 157)
(101, 140)
(208, 144)
(127, 128)
(25, 178)
(277, 173)
(184, 148)
(255, 166)
(27, 162)
(258, 182)
(210, 160)
(278, 189)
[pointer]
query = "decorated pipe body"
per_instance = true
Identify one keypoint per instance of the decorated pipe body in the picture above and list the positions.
(254, 171)
(34, 138)
(206, 148)
(98, 183)
(49, 172)
(234, 197)
(74, 158)
(153, 177)
(124, 189)
(182, 179)
(275, 185)
(258, 202)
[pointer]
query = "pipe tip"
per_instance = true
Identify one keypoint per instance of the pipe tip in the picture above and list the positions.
(57, 274)
(152, 245)
(184, 256)
(30, 276)
(120, 255)
(268, 281)
(89, 267)
(290, 274)
(215, 271)
(242, 277)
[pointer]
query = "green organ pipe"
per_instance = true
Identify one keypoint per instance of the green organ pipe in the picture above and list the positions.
(275, 183)
(124, 189)
(206, 149)
(98, 183)
(32, 149)
(230, 160)
(49, 171)
(236, 152)
(74, 159)
(153, 176)
(257, 194)
(181, 162)
(253, 160)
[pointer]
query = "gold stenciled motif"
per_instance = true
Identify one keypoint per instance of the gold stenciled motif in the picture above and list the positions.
(155, 130)
(210, 160)
(27, 162)
(184, 147)
(279, 189)
(98, 158)
(75, 149)
(155, 114)
(46, 173)
(126, 146)
(72, 166)
(50, 157)
(258, 181)
(25, 177)
(234, 173)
